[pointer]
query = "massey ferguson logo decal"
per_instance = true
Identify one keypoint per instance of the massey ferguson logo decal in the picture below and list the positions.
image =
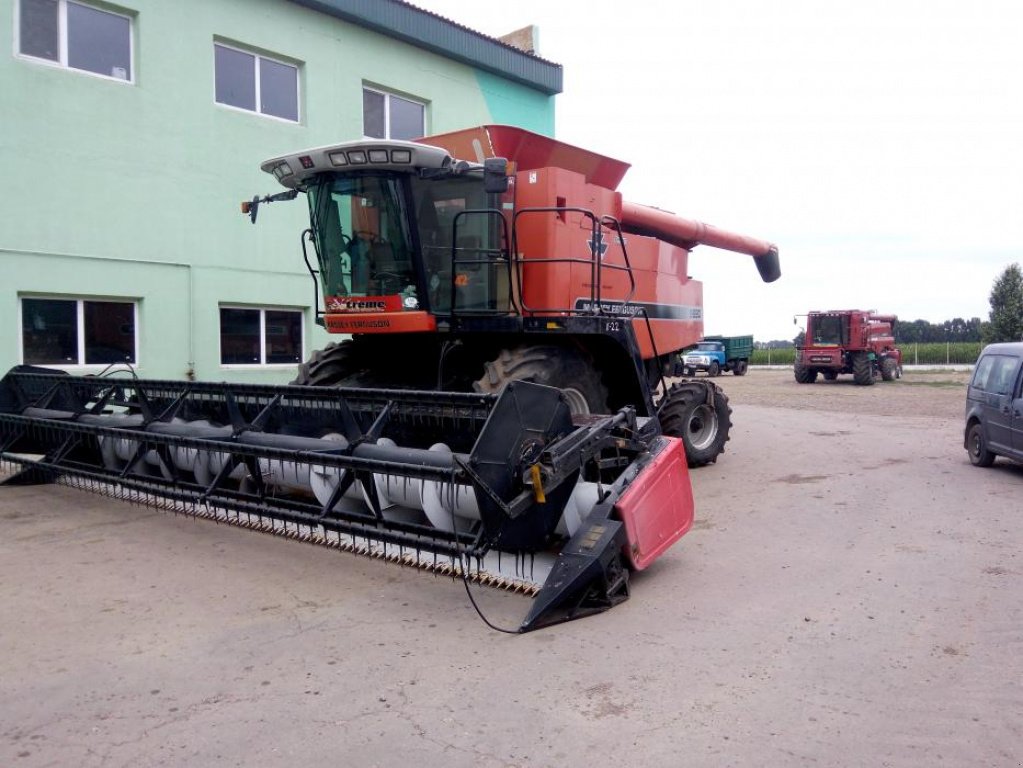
(350, 304)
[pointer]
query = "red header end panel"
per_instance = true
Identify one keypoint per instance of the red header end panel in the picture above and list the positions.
(657, 508)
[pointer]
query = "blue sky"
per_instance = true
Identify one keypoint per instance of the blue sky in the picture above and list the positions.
(879, 143)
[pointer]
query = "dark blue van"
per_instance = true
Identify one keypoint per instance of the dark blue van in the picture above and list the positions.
(994, 405)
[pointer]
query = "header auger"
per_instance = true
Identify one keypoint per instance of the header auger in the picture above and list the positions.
(497, 408)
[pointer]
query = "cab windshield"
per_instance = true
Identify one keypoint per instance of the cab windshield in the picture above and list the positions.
(362, 238)
(828, 329)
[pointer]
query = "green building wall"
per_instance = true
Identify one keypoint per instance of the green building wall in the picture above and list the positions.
(132, 191)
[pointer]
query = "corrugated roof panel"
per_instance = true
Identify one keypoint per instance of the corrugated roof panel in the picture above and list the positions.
(424, 29)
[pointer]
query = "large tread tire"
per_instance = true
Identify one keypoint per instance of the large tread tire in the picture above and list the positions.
(699, 414)
(889, 369)
(561, 367)
(331, 366)
(863, 369)
(976, 446)
(804, 375)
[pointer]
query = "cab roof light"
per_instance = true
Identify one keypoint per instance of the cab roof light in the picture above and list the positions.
(378, 155)
(307, 162)
(357, 157)
(401, 156)
(337, 158)
(282, 170)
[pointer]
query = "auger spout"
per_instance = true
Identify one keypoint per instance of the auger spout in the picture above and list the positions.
(686, 233)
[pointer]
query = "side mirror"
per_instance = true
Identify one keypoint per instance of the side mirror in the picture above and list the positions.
(495, 175)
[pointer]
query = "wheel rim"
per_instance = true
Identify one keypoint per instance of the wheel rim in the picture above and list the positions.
(702, 426)
(577, 403)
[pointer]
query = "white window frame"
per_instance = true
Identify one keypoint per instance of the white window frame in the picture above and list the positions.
(262, 364)
(388, 95)
(62, 53)
(80, 301)
(258, 57)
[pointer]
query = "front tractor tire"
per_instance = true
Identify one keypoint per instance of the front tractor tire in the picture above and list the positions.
(803, 374)
(334, 364)
(562, 367)
(863, 369)
(699, 414)
(889, 369)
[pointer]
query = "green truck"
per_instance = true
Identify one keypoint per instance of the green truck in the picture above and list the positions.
(717, 354)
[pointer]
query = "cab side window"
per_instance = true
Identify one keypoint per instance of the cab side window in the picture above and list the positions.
(996, 374)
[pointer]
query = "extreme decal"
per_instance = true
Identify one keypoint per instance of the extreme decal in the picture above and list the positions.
(362, 303)
(637, 308)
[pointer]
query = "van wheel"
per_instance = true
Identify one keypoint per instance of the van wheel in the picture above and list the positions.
(976, 446)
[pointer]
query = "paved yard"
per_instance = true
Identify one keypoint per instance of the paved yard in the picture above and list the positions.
(852, 594)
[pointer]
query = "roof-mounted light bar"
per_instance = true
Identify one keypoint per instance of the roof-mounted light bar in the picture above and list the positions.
(293, 170)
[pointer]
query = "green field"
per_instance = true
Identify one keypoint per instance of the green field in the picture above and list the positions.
(963, 353)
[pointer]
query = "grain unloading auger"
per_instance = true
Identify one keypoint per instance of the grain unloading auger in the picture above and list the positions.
(520, 495)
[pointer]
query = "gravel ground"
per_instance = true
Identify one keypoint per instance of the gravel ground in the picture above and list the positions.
(850, 596)
(926, 393)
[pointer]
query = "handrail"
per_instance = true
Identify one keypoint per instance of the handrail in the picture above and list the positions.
(481, 259)
(596, 263)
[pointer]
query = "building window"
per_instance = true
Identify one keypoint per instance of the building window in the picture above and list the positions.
(386, 116)
(260, 336)
(255, 83)
(77, 36)
(78, 332)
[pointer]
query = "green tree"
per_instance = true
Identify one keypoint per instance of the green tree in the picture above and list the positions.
(1006, 307)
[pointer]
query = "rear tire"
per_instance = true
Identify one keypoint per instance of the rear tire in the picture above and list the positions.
(976, 446)
(863, 369)
(699, 414)
(561, 367)
(804, 375)
(740, 368)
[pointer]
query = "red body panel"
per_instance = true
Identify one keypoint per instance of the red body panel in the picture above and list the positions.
(380, 322)
(552, 174)
(558, 266)
(657, 508)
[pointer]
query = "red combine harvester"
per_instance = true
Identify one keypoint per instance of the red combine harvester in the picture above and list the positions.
(499, 410)
(849, 341)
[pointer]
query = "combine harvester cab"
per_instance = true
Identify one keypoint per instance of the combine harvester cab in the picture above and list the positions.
(520, 497)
